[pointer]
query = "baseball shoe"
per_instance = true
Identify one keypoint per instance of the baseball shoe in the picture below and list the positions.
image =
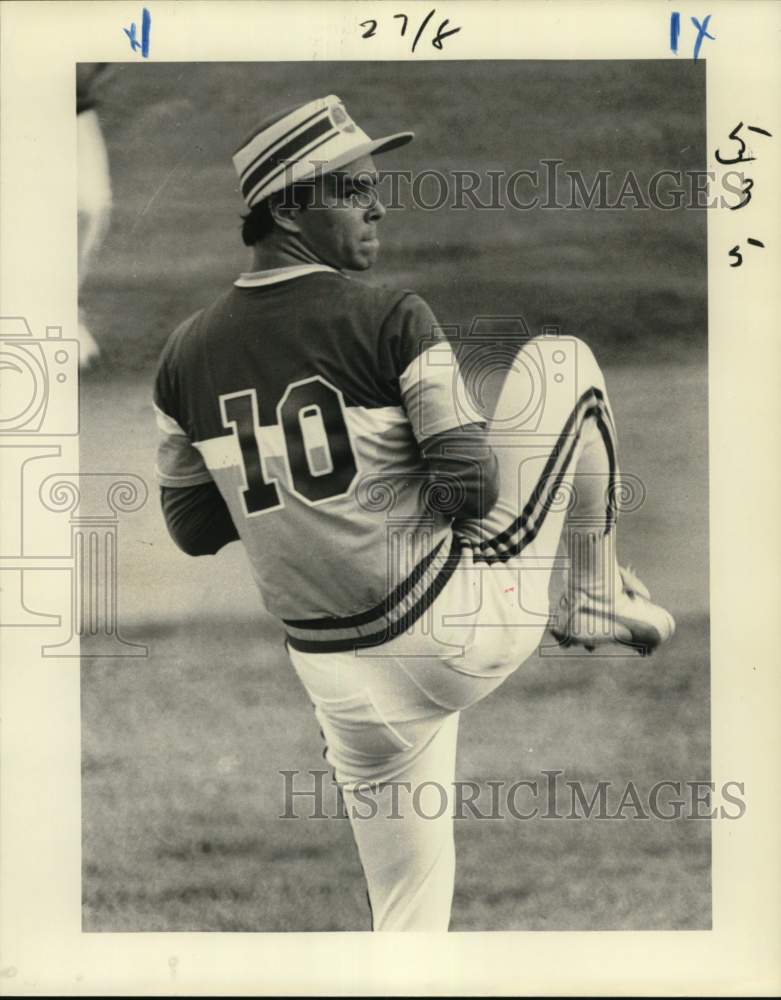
(631, 619)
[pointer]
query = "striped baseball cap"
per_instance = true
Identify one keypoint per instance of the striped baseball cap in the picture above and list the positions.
(298, 144)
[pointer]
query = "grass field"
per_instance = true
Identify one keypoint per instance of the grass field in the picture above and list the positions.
(182, 750)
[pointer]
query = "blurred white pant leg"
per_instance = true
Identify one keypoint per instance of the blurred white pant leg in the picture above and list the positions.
(94, 189)
(393, 752)
(94, 212)
(406, 846)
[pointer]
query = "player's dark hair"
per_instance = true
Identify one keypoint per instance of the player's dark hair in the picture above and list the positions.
(259, 223)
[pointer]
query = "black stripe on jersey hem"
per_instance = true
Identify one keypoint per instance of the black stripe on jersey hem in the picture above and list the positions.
(266, 149)
(394, 628)
(379, 610)
(284, 153)
(588, 396)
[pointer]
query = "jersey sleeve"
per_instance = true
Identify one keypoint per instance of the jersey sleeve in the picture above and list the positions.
(179, 463)
(431, 385)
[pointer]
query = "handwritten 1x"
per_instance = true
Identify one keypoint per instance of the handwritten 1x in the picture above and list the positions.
(701, 29)
(146, 28)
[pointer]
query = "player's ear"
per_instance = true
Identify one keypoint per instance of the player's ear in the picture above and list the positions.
(285, 211)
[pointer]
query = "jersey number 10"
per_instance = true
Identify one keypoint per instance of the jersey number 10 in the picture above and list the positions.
(318, 451)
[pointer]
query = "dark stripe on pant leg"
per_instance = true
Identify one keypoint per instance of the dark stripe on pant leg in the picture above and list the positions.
(588, 397)
(532, 507)
(531, 533)
(611, 515)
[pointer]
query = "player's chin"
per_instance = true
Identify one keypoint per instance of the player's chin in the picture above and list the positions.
(365, 255)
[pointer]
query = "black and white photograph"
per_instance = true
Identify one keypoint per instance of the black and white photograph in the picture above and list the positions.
(423, 360)
(385, 401)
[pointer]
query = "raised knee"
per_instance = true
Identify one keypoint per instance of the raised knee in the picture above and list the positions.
(563, 363)
(544, 382)
(568, 361)
(588, 371)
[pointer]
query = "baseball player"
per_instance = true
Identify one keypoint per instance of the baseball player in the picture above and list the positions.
(94, 187)
(404, 536)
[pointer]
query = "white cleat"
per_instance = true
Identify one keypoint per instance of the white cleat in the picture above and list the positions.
(631, 619)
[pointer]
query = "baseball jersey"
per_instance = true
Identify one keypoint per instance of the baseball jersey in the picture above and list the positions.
(304, 395)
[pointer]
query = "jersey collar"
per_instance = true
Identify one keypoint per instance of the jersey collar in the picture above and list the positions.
(256, 279)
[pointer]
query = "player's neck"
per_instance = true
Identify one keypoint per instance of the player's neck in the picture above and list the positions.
(282, 251)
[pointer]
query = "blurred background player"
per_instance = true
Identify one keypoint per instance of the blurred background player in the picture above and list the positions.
(306, 413)
(94, 187)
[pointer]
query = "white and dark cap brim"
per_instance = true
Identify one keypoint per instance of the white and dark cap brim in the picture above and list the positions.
(301, 144)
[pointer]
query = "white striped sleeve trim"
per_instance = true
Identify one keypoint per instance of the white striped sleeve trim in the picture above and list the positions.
(165, 423)
(435, 396)
(193, 479)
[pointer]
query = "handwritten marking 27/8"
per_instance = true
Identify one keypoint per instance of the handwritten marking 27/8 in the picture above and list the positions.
(439, 37)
